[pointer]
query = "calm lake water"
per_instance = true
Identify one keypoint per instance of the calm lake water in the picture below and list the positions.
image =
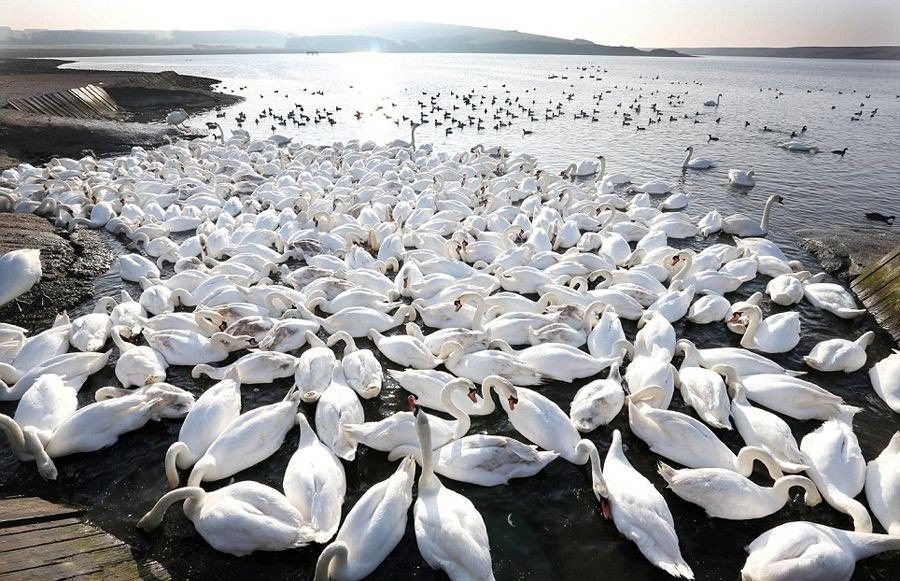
(549, 525)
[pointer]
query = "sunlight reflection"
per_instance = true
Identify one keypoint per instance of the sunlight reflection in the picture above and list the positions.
(371, 76)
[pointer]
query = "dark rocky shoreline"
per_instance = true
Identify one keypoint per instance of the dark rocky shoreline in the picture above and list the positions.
(145, 98)
(70, 263)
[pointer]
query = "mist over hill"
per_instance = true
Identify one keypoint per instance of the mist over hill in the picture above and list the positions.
(407, 37)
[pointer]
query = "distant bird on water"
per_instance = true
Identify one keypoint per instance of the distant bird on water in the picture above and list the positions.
(19, 271)
(177, 118)
(880, 217)
(711, 137)
(840, 152)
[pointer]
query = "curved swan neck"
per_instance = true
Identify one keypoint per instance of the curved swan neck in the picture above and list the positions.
(764, 223)
(462, 418)
(782, 487)
(749, 454)
(755, 316)
(171, 462)
(152, 519)
(587, 450)
(15, 436)
(687, 158)
(334, 556)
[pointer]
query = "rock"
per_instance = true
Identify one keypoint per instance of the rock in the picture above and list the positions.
(70, 264)
(845, 252)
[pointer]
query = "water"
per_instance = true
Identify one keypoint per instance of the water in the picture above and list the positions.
(549, 524)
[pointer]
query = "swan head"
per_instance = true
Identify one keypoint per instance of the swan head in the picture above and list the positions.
(504, 388)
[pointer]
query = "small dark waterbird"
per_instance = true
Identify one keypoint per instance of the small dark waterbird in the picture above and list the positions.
(879, 217)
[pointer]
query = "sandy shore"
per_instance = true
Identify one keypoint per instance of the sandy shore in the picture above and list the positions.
(34, 138)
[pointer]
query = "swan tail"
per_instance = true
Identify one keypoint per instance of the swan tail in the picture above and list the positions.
(793, 467)
(681, 569)
(794, 373)
(666, 471)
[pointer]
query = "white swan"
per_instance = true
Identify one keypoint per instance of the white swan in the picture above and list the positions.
(314, 483)
(338, 407)
(479, 365)
(742, 225)
(885, 378)
(833, 298)
(792, 396)
(640, 512)
(744, 362)
(712, 103)
(90, 332)
(598, 402)
(253, 368)
(786, 289)
(450, 531)
(405, 350)
(804, 550)
(558, 361)
(883, 486)
(584, 168)
(314, 369)
(238, 519)
(19, 271)
(74, 368)
(362, 372)
(837, 466)
(483, 459)
(727, 494)
(248, 440)
(371, 530)
(703, 390)
(538, 419)
(35, 351)
(100, 424)
(45, 406)
(840, 354)
(778, 333)
(740, 177)
(699, 163)
(399, 429)
(212, 413)
(708, 309)
(187, 348)
(652, 370)
(427, 385)
(688, 441)
(762, 428)
(798, 146)
(358, 321)
(137, 364)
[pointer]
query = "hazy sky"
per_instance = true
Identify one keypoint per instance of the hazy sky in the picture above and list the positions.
(645, 23)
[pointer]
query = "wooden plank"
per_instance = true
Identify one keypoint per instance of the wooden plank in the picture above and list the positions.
(23, 510)
(884, 276)
(55, 552)
(49, 524)
(874, 267)
(106, 564)
(35, 539)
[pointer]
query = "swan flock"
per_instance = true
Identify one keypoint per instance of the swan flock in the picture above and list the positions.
(478, 281)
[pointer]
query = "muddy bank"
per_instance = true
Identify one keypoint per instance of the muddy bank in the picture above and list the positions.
(70, 263)
(143, 97)
(845, 252)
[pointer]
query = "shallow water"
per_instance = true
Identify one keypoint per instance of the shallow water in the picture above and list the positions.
(549, 524)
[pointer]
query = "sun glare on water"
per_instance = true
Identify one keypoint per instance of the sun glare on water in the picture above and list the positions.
(371, 77)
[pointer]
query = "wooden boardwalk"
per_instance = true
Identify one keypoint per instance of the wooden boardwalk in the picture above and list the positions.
(878, 287)
(49, 541)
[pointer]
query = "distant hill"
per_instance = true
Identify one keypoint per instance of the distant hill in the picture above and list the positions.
(400, 37)
(808, 52)
(431, 37)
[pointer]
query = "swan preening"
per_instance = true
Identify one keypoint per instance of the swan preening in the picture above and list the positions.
(490, 289)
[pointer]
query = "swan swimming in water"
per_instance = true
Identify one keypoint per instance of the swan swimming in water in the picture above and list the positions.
(699, 163)
(741, 225)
